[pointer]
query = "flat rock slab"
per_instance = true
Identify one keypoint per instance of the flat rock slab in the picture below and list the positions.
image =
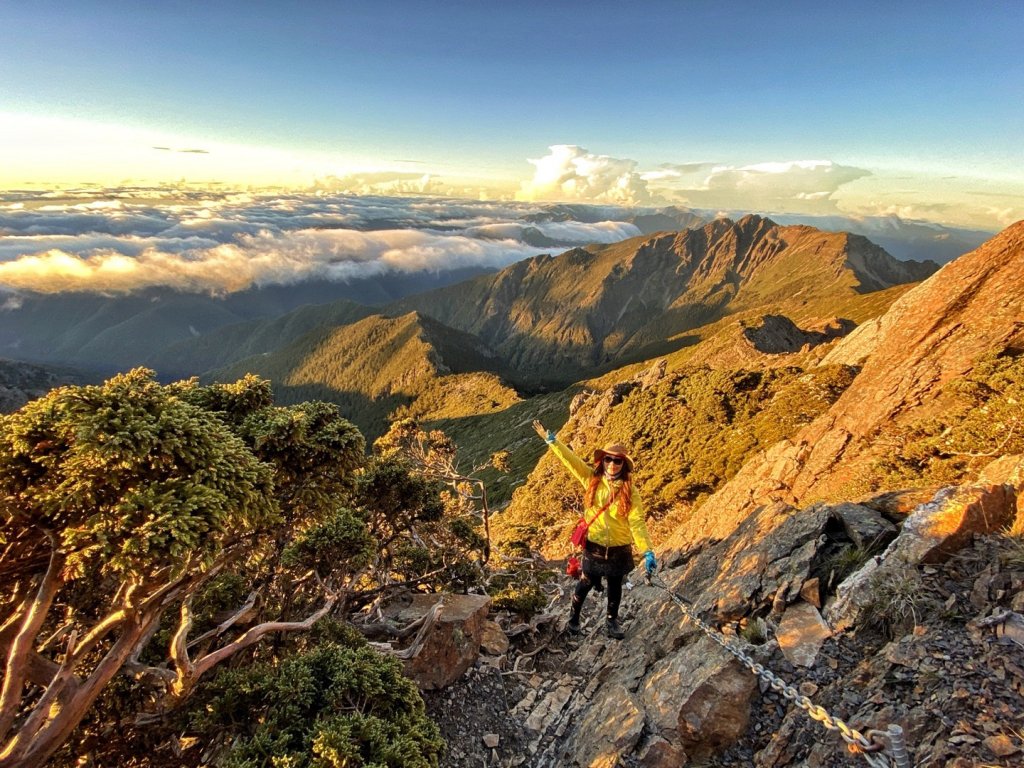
(801, 634)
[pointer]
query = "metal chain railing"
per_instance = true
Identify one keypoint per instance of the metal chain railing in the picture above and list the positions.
(867, 746)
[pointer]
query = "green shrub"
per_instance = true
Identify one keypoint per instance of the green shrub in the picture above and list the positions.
(335, 706)
(983, 419)
(522, 599)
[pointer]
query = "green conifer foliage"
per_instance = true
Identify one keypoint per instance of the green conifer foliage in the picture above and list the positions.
(162, 530)
(336, 706)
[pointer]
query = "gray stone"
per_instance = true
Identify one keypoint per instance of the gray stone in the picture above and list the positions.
(801, 634)
(931, 534)
(610, 729)
(866, 528)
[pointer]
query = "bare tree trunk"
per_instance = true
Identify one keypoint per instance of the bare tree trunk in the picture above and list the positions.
(20, 651)
(33, 747)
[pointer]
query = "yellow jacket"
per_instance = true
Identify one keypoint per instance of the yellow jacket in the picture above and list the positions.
(609, 529)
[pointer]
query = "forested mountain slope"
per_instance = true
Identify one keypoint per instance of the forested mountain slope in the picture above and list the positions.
(383, 367)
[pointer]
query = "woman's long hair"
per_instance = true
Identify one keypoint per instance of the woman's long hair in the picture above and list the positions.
(624, 498)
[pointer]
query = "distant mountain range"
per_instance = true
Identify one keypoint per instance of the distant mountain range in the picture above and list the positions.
(541, 323)
(556, 319)
(905, 239)
(107, 333)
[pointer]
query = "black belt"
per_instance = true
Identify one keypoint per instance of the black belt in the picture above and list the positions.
(607, 553)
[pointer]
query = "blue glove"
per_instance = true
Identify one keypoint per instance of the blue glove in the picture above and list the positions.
(650, 564)
(550, 438)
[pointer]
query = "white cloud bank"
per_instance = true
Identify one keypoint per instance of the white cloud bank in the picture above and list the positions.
(265, 258)
(224, 243)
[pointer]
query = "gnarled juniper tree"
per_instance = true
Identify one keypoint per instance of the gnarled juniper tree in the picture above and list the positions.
(120, 503)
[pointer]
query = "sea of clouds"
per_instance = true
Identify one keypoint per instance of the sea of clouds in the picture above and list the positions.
(120, 240)
(130, 238)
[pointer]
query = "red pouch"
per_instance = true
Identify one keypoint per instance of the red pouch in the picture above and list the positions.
(572, 566)
(579, 535)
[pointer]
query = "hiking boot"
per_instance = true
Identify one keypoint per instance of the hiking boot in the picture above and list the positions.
(573, 627)
(614, 631)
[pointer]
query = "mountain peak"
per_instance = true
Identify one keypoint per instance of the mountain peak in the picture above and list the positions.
(559, 318)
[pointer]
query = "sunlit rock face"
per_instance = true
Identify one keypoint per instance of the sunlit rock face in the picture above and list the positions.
(759, 548)
(934, 333)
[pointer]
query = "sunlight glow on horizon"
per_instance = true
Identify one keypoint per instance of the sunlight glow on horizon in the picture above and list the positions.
(49, 152)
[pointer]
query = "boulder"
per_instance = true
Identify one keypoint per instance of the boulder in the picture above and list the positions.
(937, 530)
(931, 534)
(1009, 471)
(699, 698)
(493, 639)
(610, 729)
(448, 642)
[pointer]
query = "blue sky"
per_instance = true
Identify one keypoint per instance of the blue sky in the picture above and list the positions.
(915, 109)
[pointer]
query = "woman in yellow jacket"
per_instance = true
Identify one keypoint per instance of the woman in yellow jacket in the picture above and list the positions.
(613, 503)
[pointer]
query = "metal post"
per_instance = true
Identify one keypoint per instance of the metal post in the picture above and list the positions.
(898, 746)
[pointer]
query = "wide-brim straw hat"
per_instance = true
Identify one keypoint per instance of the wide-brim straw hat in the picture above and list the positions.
(613, 449)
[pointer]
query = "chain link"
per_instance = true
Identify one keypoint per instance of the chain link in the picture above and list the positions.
(855, 740)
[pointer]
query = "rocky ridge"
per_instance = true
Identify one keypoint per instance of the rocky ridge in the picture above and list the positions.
(940, 657)
(934, 333)
(558, 317)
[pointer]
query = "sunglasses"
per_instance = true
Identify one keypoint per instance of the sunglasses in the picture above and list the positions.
(613, 460)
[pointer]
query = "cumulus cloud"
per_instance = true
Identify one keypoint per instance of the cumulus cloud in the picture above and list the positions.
(804, 186)
(572, 173)
(785, 179)
(676, 171)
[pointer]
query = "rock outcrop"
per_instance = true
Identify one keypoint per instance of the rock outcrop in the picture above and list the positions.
(934, 333)
(450, 638)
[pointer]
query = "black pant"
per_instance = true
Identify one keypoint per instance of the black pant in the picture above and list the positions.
(585, 584)
(611, 563)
